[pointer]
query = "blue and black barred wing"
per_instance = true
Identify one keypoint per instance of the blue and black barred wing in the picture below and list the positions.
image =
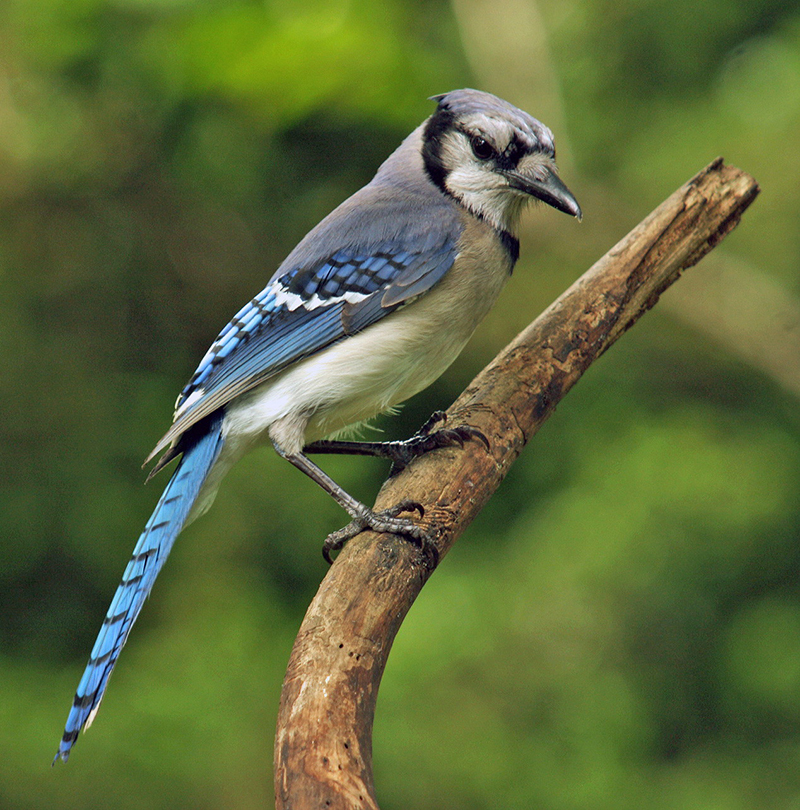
(300, 312)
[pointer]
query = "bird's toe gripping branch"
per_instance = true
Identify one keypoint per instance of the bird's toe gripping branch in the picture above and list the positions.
(427, 439)
(389, 521)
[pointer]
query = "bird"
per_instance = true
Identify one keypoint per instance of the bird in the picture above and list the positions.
(371, 307)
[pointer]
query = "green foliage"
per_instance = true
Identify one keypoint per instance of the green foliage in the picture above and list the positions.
(620, 628)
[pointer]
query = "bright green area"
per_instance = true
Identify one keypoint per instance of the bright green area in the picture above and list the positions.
(620, 628)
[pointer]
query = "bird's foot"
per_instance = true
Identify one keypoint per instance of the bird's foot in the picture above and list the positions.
(388, 521)
(402, 453)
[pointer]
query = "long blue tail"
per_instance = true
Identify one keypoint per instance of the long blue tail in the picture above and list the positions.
(151, 551)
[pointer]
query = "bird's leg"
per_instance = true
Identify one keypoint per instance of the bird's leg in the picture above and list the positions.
(402, 453)
(362, 516)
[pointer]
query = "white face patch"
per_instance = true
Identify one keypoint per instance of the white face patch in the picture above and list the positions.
(496, 188)
(536, 165)
(476, 183)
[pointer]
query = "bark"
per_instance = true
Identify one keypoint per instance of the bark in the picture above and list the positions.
(323, 747)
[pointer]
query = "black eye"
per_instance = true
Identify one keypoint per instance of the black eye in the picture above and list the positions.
(481, 148)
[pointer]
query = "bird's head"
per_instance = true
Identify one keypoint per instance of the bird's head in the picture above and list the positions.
(492, 157)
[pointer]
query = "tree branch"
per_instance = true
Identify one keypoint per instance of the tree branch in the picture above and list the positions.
(323, 747)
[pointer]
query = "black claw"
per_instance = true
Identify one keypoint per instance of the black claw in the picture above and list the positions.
(444, 437)
(410, 506)
(468, 432)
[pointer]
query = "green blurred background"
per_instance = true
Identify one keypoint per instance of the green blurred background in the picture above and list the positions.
(621, 627)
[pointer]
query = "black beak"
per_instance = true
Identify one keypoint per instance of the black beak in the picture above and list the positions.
(550, 190)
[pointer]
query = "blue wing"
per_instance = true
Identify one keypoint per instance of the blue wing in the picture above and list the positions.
(301, 311)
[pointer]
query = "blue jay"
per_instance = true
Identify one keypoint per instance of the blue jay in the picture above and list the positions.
(370, 308)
